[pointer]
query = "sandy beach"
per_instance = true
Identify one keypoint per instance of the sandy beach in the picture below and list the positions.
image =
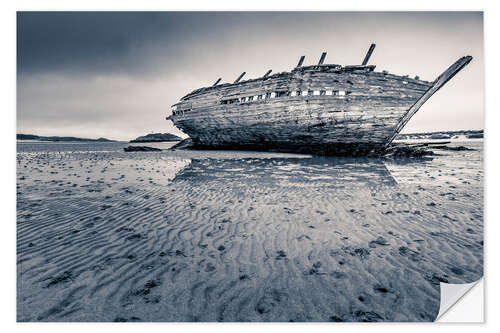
(104, 235)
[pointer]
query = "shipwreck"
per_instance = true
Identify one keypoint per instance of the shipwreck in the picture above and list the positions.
(325, 109)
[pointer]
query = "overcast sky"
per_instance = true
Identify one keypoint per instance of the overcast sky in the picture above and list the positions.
(116, 74)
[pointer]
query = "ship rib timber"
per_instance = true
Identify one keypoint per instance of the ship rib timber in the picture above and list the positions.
(320, 109)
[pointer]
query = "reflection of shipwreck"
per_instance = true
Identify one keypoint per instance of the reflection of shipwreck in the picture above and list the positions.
(265, 172)
(324, 108)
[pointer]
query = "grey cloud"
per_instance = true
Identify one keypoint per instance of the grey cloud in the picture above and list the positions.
(117, 73)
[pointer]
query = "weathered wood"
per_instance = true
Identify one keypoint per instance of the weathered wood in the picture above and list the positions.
(322, 59)
(217, 82)
(239, 77)
(440, 81)
(267, 73)
(368, 54)
(249, 123)
(263, 112)
(301, 61)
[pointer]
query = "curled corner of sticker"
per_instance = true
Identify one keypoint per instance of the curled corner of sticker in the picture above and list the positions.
(452, 296)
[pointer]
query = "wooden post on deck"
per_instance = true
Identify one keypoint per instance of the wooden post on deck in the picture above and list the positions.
(322, 59)
(301, 61)
(368, 54)
(239, 77)
(217, 82)
(267, 73)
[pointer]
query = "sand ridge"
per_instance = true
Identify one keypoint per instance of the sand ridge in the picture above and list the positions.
(104, 235)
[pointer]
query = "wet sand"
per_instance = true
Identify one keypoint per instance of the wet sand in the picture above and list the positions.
(104, 235)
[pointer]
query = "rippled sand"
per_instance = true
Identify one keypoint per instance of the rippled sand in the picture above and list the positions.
(105, 235)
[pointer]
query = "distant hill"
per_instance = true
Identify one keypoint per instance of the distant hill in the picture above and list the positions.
(157, 137)
(59, 138)
(470, 134)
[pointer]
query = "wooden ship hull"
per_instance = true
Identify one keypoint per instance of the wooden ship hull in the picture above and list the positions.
(321, 109)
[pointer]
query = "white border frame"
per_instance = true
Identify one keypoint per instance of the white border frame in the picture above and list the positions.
(8, 63)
